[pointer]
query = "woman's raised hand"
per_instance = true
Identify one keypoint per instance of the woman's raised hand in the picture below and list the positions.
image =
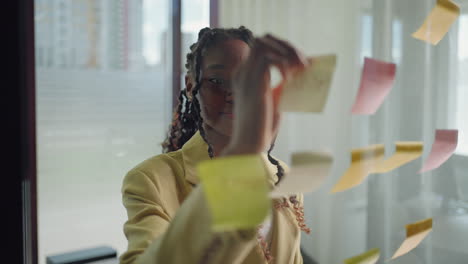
(256, 113)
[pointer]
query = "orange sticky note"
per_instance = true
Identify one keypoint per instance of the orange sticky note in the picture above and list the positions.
(405, 152)
(376, 82)
(308, 171)
(363, 162)
(415, 234)
(444, 145)
(307, 91)
(369, 257)
(438, 23)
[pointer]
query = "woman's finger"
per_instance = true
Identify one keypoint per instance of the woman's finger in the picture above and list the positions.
(267, 57)
(272, 46)
(287, 64)
(295, 55)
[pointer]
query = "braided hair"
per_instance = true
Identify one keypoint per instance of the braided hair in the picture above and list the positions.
(187, 119)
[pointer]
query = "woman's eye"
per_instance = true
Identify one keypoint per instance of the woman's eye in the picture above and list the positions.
(216, 81)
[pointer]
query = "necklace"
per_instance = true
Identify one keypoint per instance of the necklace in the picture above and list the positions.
(263, 244)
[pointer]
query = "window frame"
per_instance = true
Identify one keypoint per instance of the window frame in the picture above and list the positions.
(21, 134)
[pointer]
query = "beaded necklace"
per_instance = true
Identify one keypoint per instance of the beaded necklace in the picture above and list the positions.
(264, 247)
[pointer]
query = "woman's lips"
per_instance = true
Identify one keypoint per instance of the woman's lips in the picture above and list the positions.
(228, 114)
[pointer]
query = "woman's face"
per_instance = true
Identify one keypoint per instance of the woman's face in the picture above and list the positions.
(215, 95)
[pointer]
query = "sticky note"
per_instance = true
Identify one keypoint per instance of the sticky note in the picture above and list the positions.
(415, 234)
(438, 23)
(405, 152)
(363, 162)
(307, 173)
(307, 90)
(369, 257)
(377, 80)
(444, 145)
(236, 189)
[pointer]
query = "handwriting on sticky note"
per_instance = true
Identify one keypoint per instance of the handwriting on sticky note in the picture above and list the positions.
(363, 162)
(376, 82)
(405, 152)
(236, 190)
(308, 90)
(307, 173)
(438, 23)
(415, 234)
(444, 145)
(369, 257)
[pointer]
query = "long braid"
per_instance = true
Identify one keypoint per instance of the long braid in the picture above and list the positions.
(182, 127)
(170, 143)
(205, 36)
(280, 169)
(199, 121)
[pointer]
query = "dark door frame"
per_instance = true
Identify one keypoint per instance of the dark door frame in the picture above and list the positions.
(176, 47)
(19, 126)
(214, 13)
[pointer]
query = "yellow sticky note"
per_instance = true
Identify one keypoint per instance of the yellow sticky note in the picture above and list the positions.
(415, 233)
(405, 152)
(307, 173)
(308, 90)
(363, 162)
(438, 23)
(236, 189)
(369, 257)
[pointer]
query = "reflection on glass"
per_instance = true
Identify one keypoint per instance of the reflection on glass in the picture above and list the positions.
(397, 35)
(462, 93)
(195, 16)
(154, 28)
(366, 36)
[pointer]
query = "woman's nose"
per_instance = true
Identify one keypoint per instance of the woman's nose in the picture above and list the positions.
(228, 96)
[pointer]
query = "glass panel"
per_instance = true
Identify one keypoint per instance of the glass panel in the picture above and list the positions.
(103, 106)
(374, 214)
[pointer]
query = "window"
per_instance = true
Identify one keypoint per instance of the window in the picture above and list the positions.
(103, 96)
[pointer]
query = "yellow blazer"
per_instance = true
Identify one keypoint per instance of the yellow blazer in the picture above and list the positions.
(169, 221)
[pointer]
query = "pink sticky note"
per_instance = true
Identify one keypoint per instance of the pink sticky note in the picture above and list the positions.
(376, 82)
(444, 145)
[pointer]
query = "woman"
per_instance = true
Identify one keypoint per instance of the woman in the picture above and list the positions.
(226, 109)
